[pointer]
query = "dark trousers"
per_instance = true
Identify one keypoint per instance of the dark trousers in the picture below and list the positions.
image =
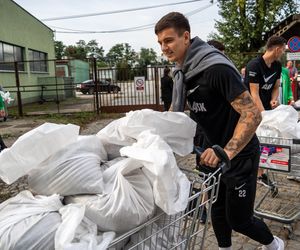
(233, 209)
(2, 145)
(167, 105)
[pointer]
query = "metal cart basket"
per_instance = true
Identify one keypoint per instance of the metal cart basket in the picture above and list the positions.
(280, 201)
(182, 230)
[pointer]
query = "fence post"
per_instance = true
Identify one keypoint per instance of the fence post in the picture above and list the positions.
(156, 88)
(20, 107)
(56, 89)
(96, 83)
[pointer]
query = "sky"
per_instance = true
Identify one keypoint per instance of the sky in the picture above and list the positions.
(202, 22)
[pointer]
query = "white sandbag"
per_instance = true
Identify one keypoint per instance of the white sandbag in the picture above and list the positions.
(176, 128)
(113, 150)
(22, 216)
(78, 232)
(40, 222)
(127, 202)
(32, 148)
(170, 186)
(37, 237)
(279, 122)
(74, 169)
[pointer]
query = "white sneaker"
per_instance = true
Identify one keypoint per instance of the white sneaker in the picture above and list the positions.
(276, 244)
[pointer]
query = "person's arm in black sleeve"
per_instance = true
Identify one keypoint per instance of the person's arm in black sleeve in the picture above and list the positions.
(253, 74)
(275, 91)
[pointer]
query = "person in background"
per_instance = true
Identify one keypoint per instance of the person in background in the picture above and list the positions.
(243, 74)
(166, 88)
(287, 94)
(2, 145)
(293, 73)
(2, 115)
(2, 107)
(263, 80)
(211, 85)
(218, 45)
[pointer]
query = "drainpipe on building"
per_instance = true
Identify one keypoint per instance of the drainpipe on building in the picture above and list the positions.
(20, 107)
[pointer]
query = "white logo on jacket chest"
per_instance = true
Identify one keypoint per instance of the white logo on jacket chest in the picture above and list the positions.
(198, 107)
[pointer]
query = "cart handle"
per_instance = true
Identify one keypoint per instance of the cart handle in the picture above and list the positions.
(225, 164)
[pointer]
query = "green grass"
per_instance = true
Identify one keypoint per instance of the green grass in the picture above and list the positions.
(47, 106)
(81, 118)
(78, 118)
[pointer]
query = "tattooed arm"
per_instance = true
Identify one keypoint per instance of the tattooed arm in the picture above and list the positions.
(250, 117)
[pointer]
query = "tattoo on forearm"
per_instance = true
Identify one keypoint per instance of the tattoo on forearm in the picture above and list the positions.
(250, 118)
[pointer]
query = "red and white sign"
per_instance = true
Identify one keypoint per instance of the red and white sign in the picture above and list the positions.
(139, 82)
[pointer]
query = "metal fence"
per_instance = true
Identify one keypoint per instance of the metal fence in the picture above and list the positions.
(139, 88)
(31, 90)
(54, 89)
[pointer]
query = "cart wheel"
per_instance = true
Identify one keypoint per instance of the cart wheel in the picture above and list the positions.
(274, 191)
(289, 231)
(4, 118)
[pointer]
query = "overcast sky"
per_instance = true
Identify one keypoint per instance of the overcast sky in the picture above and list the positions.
(202, 23)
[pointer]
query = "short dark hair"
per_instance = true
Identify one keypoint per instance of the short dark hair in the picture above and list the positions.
(275, 41)
(174, 20)
(166, 70)
(218, 45)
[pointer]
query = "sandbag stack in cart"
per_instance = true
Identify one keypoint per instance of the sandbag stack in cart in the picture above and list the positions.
(98, 185)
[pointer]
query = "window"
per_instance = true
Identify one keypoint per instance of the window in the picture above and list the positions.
(38, 61)
(10, 53)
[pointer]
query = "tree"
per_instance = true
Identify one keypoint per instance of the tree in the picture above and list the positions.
(82, 49)
(244, 23)
(147, 57)
(92, 46)
(121, 55)
(59, 48)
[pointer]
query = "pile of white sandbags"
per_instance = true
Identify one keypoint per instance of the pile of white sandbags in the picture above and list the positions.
(280, 122)
(100, 190)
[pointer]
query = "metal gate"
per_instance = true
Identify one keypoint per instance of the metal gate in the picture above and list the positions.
(130, 89)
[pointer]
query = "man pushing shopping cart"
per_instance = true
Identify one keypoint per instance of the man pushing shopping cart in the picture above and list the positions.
(211, 86)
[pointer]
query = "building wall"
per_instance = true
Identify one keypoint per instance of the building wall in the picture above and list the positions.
(79, 70)
(20, 28)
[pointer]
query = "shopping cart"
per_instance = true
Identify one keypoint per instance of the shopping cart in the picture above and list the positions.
(182, 230)
(280, 201)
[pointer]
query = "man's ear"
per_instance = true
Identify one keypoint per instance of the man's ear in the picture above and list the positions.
(187, 37)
